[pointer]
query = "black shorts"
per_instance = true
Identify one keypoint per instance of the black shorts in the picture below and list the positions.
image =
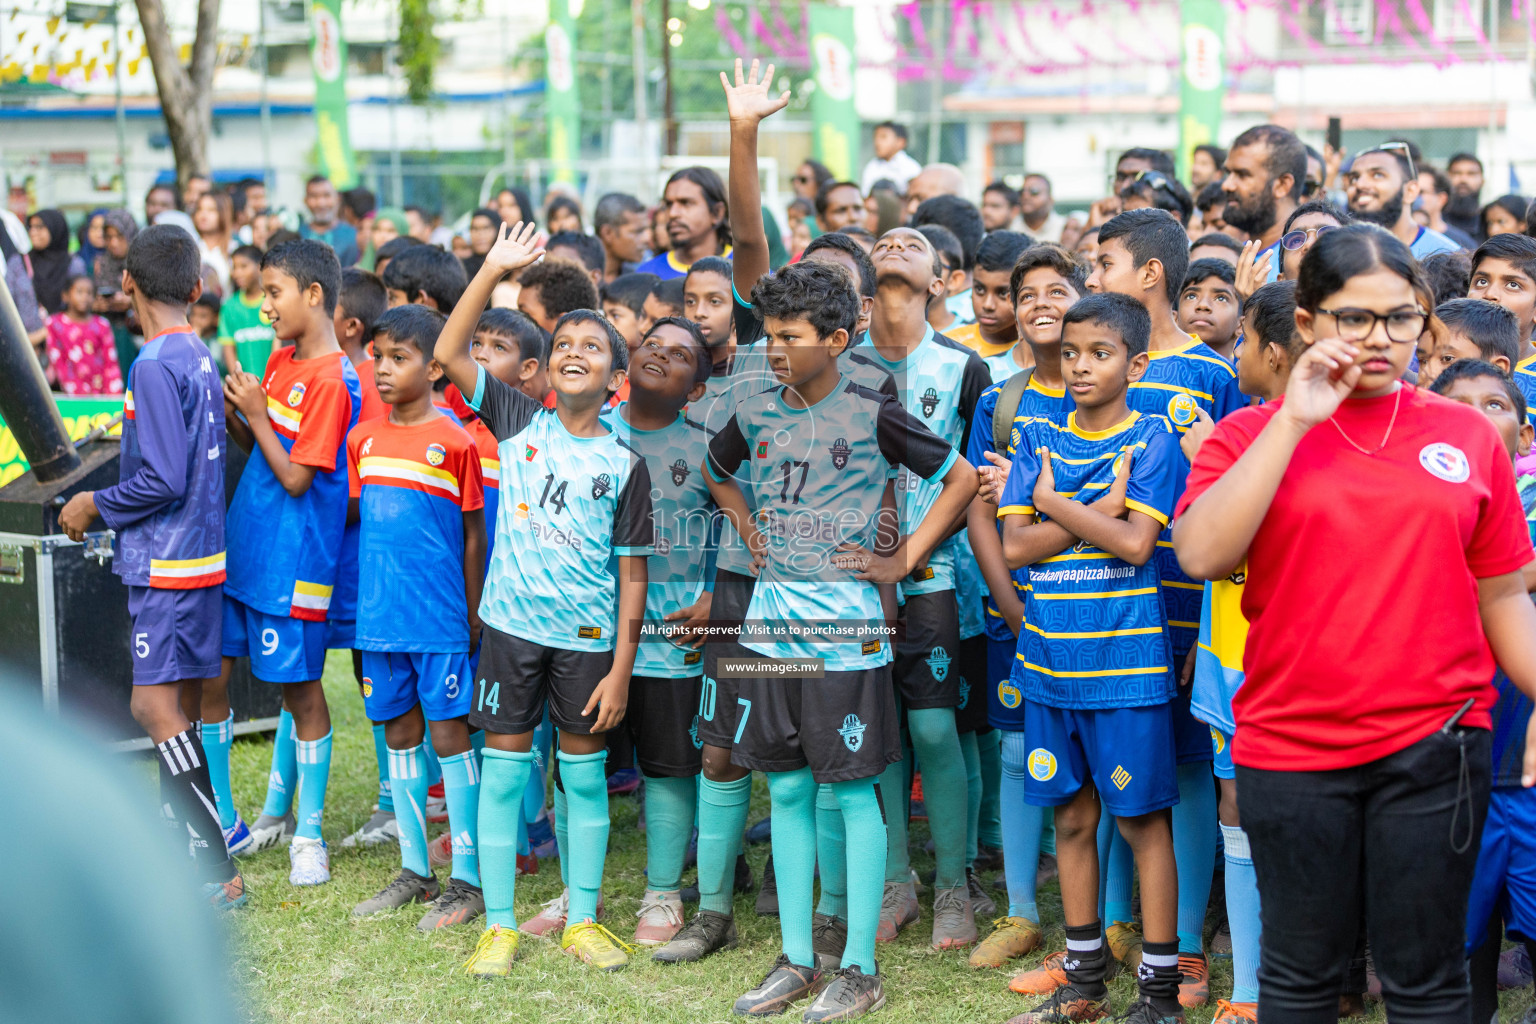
(663, 720)
(843, 725)
(718, 708)
(971, 712)
(517, 677)
(927, 647)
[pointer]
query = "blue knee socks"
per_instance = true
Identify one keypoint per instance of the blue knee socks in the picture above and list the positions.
(865, 875)
(408, 777)
(586, 800)
(562, 833)
(936, 745)
(972, 758)
(381, 755)
(722, 816)
(989, 826)
(1194, 850)
(283, 780)
(1117, 865)
(794, 859)
(669, 808)
(314, 759)
(503, 778)
(1242, 914)
(1021, 825)
(832, 853)
(217, 737)
(461, 785)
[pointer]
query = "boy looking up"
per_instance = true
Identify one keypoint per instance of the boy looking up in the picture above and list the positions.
(995, 330)
(168, 511)
(415, 479)
(246, 337)
(1209, 306)
(951, 276)
(1504, 272)
(285, 536)
(820, 500)
(579, 502)
(1097, 710)
(1475, 329)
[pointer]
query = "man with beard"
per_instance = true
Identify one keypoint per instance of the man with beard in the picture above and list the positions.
(1435, 194)
(1466, 174)
(697, 223)
(1266, 169)
(1382, 185)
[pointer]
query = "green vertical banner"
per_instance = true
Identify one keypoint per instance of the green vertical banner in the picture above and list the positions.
(1202, 76)
(328, 57)
(835, 118)
(562, 110)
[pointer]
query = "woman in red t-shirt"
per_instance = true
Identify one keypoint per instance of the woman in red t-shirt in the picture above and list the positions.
(1384, 540)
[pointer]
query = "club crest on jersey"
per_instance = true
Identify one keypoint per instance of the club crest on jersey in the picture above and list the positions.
(1446, 462)
(529, 451)
(1181, 409)
(938, 663)
(367, 687)
(436, 453)
(601, 485)
(840, 452)
(930, 402)
(1218, 740)
(1116, 466)
(1042, 764)
(680, 472)
(1008, 695)
(852, 733)
(965, 693)
(296, 394)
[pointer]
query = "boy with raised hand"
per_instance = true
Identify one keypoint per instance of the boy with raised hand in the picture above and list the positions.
(168, 511)
(415, 481)
(1145, 254)
(569, 566)
(670, 368)
(285, 531)
(994, 331)
(1209, 306)
(1504, 272)
(1474, 329)
(1093, 667)
(817, 599)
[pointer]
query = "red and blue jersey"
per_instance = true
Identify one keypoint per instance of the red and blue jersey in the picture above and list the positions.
(490, 476)
(168, 504)
(413, 485)
(284, 551)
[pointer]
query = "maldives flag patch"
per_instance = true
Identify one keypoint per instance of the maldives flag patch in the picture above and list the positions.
(529, 451)
(762, 449)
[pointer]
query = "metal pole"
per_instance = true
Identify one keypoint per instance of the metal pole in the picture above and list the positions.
(269, 175)
(937, 30)
(395, 186)
(669, 122)
(47, 628)
(118, 114)
(637, 57)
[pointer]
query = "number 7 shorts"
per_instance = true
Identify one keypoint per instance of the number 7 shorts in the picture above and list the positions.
(175, 634)
(281, 649)
(843, 726)
(517, 677)
(396, 681)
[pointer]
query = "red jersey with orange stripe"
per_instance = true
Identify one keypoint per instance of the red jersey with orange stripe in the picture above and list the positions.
(284, 550)
(413, 485)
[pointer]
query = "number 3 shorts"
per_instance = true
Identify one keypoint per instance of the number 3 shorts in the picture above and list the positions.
(175, 634)
(281, 649)
(396, 681)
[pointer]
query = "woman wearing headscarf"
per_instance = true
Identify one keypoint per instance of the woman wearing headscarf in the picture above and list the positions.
(484, 226)
(49, 265)
(118, 232)
(92, 241)
(388, 224)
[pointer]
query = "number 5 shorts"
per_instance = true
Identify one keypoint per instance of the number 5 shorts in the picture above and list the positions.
(396, 681)
(517, 677)
(281, 649)
(175, 633)
(842, 725)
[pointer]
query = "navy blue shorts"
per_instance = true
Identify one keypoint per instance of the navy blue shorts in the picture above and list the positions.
(1191, 737)
(175, 633)
(1126, 752)
(340, 634)
(1505, 877)
(1005, 704)
(281, 649)
(397, 681)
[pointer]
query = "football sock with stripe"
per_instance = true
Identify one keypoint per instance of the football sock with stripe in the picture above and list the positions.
(184, 780)
(408, 779)
(989, 827)
(504, 775)
(1117, 865)
(216, 738)
(864, 824)
(314, 758)
(1158, 977)
(794, 858)
(461, 785)
(722, 816)
(669, 807)
(937, 748)
(971, 757)
(1195, 825)
(832, 854)
(1242, 914)
(1087, 961)
(386, 798)
(283, 779)
(1021, 825)
(586, 799)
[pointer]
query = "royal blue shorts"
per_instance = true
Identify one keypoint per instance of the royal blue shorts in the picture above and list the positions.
(1191, 737)
(281, 649)
(1505, 877)
(175, 634)
(395, 682)
(1126, 752)
(1221, 751)
(1005, 704)
(340, 634)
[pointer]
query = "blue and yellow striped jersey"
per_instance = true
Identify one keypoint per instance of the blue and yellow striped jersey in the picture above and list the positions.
(1219, 660)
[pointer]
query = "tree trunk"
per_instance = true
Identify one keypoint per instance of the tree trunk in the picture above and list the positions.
(185, 92)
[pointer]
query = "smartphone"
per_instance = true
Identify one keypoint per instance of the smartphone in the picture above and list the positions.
(1335, 134)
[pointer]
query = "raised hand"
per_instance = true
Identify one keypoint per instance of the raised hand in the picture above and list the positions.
(1322, 378)
(516, 247)
(1252, 269)
(750, 100)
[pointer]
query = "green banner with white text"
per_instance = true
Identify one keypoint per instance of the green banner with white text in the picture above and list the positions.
(1202, 76)
(562, 103)
(834, 117)
(328, 58)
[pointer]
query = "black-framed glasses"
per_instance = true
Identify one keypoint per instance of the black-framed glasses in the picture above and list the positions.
(1403, 326)
(1151, 179)
(1293, 240)
(1311, 187)
(1396, 148)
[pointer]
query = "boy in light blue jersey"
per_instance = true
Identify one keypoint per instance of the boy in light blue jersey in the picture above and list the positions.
(1145, 254)
(818, 451)
(1082, 508)
(568, 570)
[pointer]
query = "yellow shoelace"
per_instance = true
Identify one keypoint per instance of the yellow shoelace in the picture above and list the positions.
(591, 932)
(487, 945)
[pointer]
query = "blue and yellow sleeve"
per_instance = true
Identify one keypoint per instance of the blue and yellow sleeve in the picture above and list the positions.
(1157, 478)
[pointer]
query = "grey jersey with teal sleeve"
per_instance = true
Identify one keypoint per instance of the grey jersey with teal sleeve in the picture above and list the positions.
(568, 505)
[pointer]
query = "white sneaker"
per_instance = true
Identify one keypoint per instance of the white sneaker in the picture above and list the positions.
(661, 918)
(309, 862)
(267, 832)
(376, 831)
(549, 920)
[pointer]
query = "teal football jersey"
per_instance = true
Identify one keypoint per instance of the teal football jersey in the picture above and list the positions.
(568, 505)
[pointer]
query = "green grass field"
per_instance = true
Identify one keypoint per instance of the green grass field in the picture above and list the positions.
(302, 957)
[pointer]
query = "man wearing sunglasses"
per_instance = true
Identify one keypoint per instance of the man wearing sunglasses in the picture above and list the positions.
(1382, 185)
(1041, 221)
(1266, 171)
